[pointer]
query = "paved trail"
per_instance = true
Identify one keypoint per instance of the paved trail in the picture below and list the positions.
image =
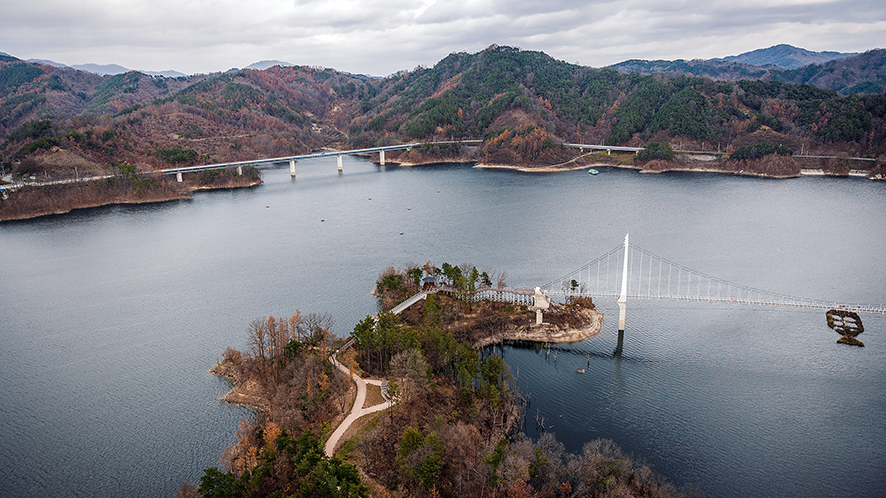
(357, 411)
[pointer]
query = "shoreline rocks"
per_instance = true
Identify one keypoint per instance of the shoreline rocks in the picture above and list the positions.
(547, 332)
(63, 207)
(241, 393)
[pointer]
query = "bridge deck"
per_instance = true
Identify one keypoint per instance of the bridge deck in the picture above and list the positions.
(313, 155)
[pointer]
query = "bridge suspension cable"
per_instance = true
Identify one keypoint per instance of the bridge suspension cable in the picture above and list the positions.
(650, 276)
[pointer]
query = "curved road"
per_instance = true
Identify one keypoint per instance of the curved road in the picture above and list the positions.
(357, 410)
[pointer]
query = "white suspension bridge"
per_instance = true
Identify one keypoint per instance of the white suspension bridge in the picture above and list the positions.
(629, 271)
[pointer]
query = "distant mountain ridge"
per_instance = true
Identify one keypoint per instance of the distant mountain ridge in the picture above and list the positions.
(786, 56)
(99, 69)
(114, 69)
(262, 65)
(860, 74)
(712, 68)
(754, 64)
(845, 73)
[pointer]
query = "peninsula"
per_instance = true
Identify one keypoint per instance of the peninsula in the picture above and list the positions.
(436, 417)
(122, 184)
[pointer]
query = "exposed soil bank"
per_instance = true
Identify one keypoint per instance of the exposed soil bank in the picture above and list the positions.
(547, 332)
(246, 393)
(33, 202)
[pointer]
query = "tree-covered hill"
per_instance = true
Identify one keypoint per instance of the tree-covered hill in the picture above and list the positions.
(860, 74)
(525, 104)
(786, 56)
(30, 91)
(712, 68)
(227, 117)
(478, 95)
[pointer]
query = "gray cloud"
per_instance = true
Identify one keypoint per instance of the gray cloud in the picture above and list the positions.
(383, 36)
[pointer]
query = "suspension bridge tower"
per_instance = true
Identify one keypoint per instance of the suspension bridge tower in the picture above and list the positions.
(622, 302)
(623, 298)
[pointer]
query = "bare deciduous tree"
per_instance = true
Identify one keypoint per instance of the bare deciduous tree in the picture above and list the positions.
(411, 366)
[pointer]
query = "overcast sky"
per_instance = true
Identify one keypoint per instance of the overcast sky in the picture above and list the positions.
(380, 37)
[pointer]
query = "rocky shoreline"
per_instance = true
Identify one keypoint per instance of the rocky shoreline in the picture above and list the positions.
(89, 205)
(68, 205)
(241, 393)
(547, 332)
(577, 163)
(711, 170)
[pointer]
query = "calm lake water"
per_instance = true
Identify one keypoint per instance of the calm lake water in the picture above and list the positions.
(111, 318)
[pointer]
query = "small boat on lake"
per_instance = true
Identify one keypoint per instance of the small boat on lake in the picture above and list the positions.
(579, 370)
(592, 171)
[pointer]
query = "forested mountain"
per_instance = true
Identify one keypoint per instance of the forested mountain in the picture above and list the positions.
(712, 68)
(786, 56)
(480, 94)
(35, 91)
(523, 103)
(861, 74)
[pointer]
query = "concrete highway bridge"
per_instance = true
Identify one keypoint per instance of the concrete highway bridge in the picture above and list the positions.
(314, 155)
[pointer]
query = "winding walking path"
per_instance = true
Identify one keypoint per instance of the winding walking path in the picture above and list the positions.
(357, 410)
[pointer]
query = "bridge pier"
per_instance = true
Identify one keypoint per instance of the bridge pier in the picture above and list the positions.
(619, 347)
(340, 167)
(622, 311)
(178, 177)
(623, 298)
(292, 168)
(239, 170)
(381, 157)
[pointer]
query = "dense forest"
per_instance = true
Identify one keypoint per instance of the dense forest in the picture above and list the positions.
(538, 102)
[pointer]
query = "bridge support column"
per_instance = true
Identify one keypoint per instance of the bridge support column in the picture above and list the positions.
(622, 311)
(619, 347)
(340, 167)
(381, 157)
(239, 170)
(292, 168)
(178, 176)
(623, 298)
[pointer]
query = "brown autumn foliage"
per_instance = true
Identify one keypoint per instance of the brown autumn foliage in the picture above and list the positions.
(466, 427)
(287, 373)
(449, 440)
(28, 202)
(33, 201)
(526, 144)
(451, 436)
(772, 165)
